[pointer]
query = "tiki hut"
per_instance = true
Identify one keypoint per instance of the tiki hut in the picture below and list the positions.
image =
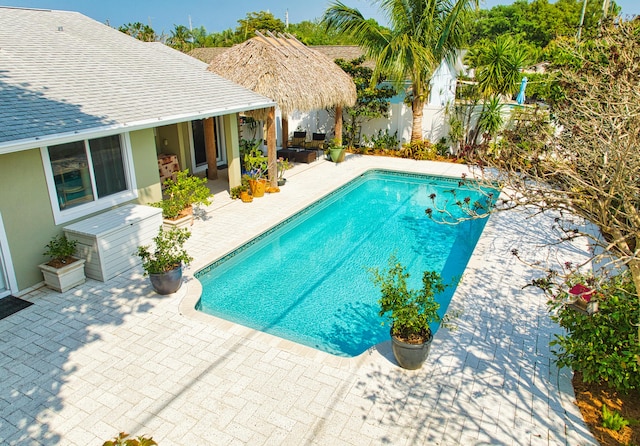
(295, 76)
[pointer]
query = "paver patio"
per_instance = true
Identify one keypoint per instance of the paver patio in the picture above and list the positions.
(81, 366)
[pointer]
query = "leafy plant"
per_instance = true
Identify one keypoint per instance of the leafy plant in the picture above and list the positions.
(183, 192)
(410, 311)
(603, 346)
(60, 249)
(283, 165)
(123, 440)
(418, 150)
(235, 191)
(612, 419)
(246, 146)
(382, 141)
(255, 163)
(168, 254)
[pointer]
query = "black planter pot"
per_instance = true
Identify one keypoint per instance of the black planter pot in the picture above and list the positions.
(168, 282)
(410, 356)
(282, 182)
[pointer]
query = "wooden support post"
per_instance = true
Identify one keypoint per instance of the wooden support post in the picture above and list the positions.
(271, 147)
(285, 132)
(210, 148)
(338, 125)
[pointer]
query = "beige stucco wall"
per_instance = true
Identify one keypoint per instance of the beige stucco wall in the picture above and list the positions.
(145, 161)
(26, 212)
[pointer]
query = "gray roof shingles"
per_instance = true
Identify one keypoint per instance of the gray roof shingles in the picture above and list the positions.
(62, 72)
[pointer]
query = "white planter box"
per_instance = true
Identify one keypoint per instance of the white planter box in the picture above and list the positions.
(109, 241)
(65, 278)
(181, 223)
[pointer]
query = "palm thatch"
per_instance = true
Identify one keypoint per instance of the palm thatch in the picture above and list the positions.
(281, 68)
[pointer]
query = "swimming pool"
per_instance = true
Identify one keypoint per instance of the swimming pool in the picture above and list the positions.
(307, 279)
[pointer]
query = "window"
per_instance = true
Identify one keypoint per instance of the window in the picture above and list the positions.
(86, 176)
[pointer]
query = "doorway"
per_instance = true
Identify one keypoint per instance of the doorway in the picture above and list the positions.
(198, 149)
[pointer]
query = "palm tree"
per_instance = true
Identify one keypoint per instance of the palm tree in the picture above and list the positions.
(421, 34)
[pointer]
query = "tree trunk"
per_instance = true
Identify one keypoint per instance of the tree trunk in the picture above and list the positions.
(210, 149)
(271, 147)
(338, 125)
(285, 132)
(417, 107)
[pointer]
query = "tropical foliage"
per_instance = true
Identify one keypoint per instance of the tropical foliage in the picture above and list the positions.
(421, 34)
(372, 101)
(410, 311)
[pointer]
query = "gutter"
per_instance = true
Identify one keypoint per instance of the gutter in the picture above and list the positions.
(106, 130)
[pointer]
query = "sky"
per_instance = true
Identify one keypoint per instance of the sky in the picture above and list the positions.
(218, 15)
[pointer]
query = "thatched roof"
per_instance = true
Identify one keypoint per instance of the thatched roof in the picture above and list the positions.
(283, 69)
(333, 52)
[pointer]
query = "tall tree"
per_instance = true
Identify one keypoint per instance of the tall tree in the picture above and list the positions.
(373, 101)
(181, 38)
(139, 31)
(422, 33)
(258, 21)
(588, 164)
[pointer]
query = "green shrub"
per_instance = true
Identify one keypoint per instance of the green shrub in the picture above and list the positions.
(186, 190)
(418, 150)
(123, 440)
(612, 419)
(168, 252)
(60, 248)
(603, 346)
(410, 311)
(382, 141)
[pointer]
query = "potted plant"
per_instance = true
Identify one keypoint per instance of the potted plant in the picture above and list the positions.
(163, 263)
(181, 195)
(283, 165)
(241, 192)
(336, 151)
(409, 311)
(256, 165)
(63, 271)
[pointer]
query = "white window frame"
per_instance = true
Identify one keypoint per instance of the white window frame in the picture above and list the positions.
(76, 212)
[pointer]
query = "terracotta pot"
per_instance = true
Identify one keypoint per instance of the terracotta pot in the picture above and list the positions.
(245, 197)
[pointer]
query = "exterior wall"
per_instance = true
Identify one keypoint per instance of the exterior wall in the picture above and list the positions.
(26, 212)
(29, 223)
(145, 161)
(434, 121)
(232, 144)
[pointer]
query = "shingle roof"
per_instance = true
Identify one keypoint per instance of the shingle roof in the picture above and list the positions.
(63, 73)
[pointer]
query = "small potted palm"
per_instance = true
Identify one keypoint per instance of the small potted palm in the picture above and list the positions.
(409, 311)
(163, 263)
(63, 271)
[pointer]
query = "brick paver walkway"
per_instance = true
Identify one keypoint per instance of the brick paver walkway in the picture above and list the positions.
(78, 367)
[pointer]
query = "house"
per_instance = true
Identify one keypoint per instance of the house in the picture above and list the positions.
(86, 112)
(443, 89)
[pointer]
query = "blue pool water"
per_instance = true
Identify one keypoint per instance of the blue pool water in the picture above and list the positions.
(307, 279)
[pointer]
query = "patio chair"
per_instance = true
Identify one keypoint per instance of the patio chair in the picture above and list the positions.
(317, 143)
(298, 140)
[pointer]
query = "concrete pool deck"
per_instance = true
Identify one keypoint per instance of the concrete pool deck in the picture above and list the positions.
(81, 366)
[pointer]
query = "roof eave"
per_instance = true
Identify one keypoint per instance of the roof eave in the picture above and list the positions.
(96, 132)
